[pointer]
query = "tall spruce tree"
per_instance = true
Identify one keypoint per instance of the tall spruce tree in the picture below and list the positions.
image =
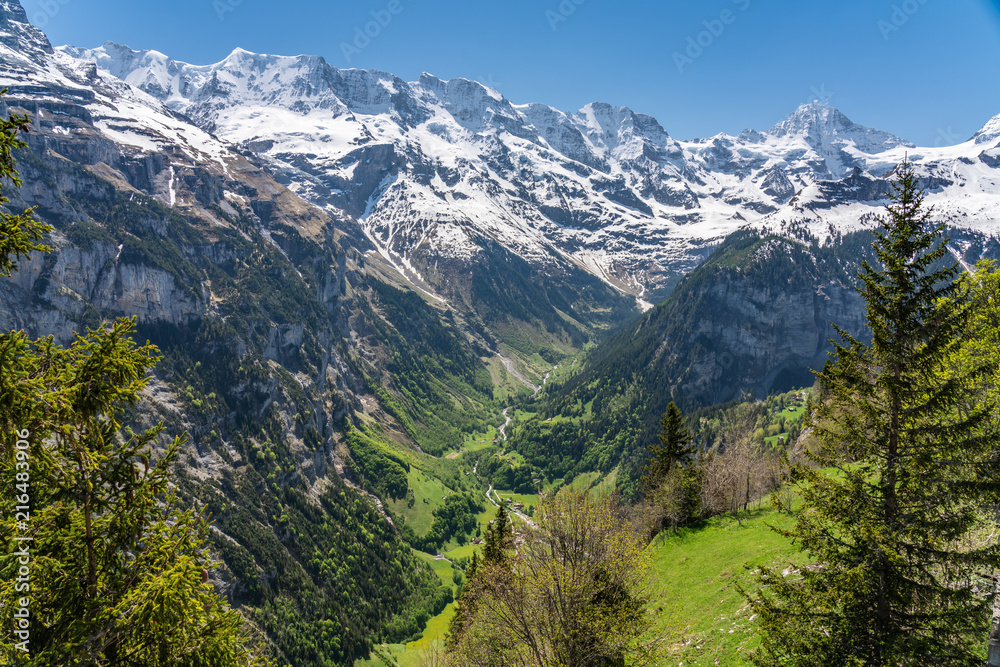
(675, 448)
(498, 542)
(893, 573)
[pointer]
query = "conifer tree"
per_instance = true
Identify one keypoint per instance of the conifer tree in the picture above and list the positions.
(893, 574)
(498, 540)
(19, 233)
(675, 448)
(108, 570)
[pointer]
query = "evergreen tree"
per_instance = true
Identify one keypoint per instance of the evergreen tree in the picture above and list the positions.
(675, 448)
(499, 538)
(889, 533)
(19, 234)
(112, 572)
(498, 541)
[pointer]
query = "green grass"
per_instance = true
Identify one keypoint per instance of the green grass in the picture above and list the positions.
(413, 653)
(436, 629)
(504, 384)
(694, 576)
(442, 568)
(772, 440)
(424, 487)
(514, 458)
(585, 481)
(694, 598)
(464, 551)
(480, 440)
(527, 499)
(396, 655)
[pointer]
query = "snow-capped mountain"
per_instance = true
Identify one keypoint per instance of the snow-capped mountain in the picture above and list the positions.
(437, 169)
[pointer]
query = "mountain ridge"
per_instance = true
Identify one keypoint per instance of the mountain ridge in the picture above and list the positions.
(604, 189)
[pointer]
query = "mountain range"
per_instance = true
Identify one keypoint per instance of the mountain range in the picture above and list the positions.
(348, 274)
(439, 170)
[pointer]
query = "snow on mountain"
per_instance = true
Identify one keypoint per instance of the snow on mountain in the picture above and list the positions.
(17, 34)
(32, 70)
(990, 132)
(442, 169)
(821, 126)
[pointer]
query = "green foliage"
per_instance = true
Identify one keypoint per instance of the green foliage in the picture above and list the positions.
(112, 570)
(574, 594)
(296, 576)
(457, 517)
(893, 532)
(616, 399)
(382, 470)
(118, 571)
(444, 384)
(19, 234)
(695, 573)
(498, 540)
(675, 448)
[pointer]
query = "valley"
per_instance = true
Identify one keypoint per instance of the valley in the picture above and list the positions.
(384, 308)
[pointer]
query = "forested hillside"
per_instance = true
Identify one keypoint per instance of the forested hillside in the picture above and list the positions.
(755, 318)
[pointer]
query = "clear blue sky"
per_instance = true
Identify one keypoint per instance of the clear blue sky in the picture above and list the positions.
(927, 70)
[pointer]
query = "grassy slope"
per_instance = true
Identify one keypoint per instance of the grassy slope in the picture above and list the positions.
(693, 592)
(694, 574)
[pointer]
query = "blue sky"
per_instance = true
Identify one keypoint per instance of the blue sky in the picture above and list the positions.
(927, 70)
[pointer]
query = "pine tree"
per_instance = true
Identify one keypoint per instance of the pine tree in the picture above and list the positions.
(498, 541)
(893, 579)
(675, 448)
(115, 574)
(499, 538)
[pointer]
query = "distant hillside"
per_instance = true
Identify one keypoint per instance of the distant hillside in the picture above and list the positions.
(753, 319)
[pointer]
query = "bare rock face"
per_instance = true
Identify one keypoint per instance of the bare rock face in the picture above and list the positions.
(754, 318)
(72, 279)
(766, 337)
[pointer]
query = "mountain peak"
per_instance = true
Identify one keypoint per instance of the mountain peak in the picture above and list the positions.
(18, 33)
(990, 132)
(821, 124)
(808, 117)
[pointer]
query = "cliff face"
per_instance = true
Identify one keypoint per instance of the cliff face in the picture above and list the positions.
(758, 315)
(762, 338)
(754, 318)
